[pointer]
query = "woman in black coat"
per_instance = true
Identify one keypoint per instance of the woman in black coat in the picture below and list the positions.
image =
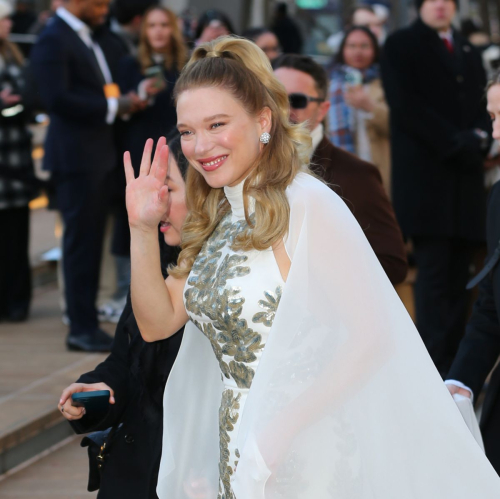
(135, 373)
(152, 74)
(18, 184)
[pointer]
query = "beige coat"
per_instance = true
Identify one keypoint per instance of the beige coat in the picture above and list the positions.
(377, 129)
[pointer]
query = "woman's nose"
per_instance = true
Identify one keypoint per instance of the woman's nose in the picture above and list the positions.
(202, 145)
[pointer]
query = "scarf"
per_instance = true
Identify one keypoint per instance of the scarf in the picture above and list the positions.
(342, 117)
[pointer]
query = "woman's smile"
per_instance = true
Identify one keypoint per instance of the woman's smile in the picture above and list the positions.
(212, 163)
(164, 226)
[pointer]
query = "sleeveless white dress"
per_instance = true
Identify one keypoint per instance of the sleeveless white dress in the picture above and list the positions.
(232, 297)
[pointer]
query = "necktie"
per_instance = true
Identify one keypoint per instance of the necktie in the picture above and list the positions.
(448, 45)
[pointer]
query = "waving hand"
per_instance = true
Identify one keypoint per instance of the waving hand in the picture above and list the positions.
(147, 195)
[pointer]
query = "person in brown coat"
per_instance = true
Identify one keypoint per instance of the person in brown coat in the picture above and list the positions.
(359, 183)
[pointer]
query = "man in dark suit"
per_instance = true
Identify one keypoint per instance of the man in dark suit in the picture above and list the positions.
(74, 74)
(480, 348)
(434, 83)
(357, 181)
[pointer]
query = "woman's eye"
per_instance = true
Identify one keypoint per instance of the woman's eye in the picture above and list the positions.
(217, 125)
(182, 134)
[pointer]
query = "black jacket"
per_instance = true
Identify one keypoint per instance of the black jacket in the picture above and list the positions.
(480, 348)
(131, 470)
(436, 101)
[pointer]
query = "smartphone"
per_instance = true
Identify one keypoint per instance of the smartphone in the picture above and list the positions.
(156, 72)
(353, 77)
(93, 402)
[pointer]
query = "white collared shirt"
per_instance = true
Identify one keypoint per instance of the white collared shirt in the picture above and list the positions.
(448, 35)
(317, 135)
(83, 31)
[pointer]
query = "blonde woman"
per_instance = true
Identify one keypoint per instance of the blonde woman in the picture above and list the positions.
(300, 374)
(152, 74)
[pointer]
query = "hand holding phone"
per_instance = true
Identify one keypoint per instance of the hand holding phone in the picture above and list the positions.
(93, 402)
(156, 80)
(72, 412)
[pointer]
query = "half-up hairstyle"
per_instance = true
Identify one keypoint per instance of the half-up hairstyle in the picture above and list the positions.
(239, 67)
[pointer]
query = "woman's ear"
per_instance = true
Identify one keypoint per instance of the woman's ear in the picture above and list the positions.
(265, 120)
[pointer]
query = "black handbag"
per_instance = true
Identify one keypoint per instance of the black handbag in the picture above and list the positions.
(98, 444)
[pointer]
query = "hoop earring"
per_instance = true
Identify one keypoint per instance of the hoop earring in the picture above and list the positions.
(265, 138)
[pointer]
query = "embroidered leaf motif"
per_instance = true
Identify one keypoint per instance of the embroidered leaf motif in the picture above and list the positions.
(270, 305)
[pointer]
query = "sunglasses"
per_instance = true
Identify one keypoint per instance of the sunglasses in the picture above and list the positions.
(301, 101)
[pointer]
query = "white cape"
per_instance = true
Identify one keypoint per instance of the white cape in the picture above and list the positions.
(346, 402)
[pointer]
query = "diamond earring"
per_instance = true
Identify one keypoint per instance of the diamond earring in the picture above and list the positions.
(265, 138)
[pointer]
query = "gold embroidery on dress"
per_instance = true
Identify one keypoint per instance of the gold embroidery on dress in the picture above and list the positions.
(228, 416)
(211, 296)
(270, 306)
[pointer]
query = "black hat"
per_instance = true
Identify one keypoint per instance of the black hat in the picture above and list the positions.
(419, 4)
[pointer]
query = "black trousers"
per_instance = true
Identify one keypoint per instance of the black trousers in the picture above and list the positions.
(15, 272)
(83, 200)
(441, 300)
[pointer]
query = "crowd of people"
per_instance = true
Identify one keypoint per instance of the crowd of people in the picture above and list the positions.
(224, 225)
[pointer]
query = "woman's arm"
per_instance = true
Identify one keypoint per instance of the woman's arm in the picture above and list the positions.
(157, 303)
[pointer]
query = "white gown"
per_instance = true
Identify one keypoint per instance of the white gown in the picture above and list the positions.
(345, 402)
(233, 297)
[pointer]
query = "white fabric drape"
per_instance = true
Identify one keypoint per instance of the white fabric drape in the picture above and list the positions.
(346, 402)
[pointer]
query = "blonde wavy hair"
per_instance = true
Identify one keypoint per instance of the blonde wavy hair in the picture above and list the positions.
(175, 54)
(239, 67)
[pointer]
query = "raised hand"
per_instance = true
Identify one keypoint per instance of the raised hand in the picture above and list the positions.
(147, 195)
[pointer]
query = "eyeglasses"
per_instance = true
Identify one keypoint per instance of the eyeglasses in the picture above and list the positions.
(301, 101)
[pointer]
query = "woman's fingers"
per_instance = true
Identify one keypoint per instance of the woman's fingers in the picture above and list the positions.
(146, 158)
(68, 391)
(156, 159)
(129, 169)
(161, 171)
(163, 196)
(71, 413)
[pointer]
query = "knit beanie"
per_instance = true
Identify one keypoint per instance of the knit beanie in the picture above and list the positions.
(419, 4)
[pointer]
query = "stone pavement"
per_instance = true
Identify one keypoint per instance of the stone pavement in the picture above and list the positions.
(62, 474)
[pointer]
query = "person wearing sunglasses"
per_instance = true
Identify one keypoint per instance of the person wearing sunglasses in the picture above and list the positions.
(358, 182)
(359, 115)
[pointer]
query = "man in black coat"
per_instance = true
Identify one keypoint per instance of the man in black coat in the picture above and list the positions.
(434, 83)
(74, 73)
(480, 348)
